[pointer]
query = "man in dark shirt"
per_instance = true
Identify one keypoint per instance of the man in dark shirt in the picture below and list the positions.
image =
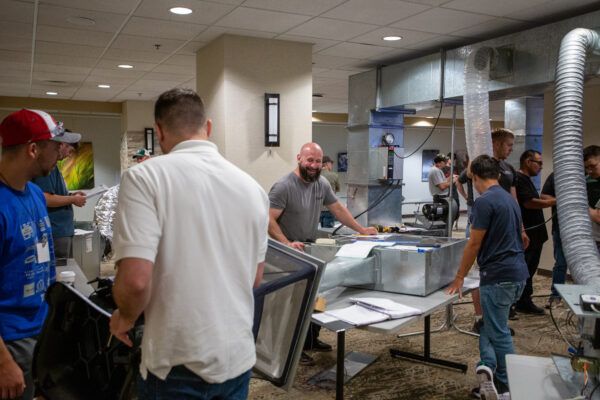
(503, 141)
(559, 271)
(591, 161)
(533, 220)
(497, 244)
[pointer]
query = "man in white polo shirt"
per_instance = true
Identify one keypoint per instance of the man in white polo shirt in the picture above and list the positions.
(190, 242)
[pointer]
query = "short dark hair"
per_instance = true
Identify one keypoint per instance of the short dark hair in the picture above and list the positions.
(591, 151)
(181, 111)
(501, 134)
(528, 155)
(440, 158)
(485, 167)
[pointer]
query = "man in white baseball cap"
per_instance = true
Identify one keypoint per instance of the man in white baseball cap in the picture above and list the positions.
(30, 148)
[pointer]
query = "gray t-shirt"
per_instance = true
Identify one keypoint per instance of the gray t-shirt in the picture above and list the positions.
(301, 203)
(436, 176)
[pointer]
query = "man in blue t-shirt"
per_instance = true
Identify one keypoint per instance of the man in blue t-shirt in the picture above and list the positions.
(60, 202)
(496, 241)
(29, 149)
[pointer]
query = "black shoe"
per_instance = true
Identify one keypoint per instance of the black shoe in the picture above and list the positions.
(530, 308)
(512, 314)
(318, 345)
(477, 326)
(512, 331)
(306, 360)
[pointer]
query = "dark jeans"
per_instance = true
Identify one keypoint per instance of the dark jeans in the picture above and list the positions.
(62, 246)
(327, 219)
(312, 335)
(183, 384)
(532, 258)
(22, 352)
(559, 272)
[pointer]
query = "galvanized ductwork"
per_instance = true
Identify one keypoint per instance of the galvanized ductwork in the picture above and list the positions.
(575, 226)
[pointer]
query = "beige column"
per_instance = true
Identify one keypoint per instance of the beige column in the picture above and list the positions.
(233, 74)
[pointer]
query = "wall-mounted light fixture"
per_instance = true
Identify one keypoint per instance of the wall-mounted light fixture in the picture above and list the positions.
(272, 119)
(149, 139)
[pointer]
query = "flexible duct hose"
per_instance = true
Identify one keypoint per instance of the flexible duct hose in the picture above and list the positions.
(476, 103)
(575, 226)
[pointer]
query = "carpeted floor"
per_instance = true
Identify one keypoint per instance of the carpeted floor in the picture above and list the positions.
(389, 378)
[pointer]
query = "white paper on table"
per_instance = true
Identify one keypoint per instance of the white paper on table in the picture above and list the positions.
(360, 248)
(82, 232)
(324, 318)
(357, 315)
(405, 247)
(387, 306)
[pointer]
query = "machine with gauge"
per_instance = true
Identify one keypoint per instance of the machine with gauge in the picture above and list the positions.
(390, 158)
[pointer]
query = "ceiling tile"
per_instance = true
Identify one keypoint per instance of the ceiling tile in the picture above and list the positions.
(58, 59)
(153, 85)
(144, 43)
(15, 56)
(16, 11)
(16, 30)
(408, 37)
(172, 77)
(69, 50)
(184, 60)
(73, 36)
(15, 43)
(433, 3)
(379, 12)
(15, 73)
(333, 74)
(437, 42)
(235, 2)
(318, 44)
(63, 93)
(109, 64)
(176, 69)
(112, 6)
(94, 95)
(355, 50)
(68, 69)
(323, 61)
(443, 21)
(116, 75)
(549, 8)
(493, 7)
(393, 55)
(204, 12)
(307, 7)
(261, 20)
(133, 56)
(69, 78)
(333, 29)
(162, 29)
(495, 27)
(59, 16)
(215, 31)
(192, 47)
(132, 95)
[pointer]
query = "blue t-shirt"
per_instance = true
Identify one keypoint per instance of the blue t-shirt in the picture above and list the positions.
(501, 256)
(60, 217)
(24, 222)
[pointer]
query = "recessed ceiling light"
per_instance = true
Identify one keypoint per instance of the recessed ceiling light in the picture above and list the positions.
(392, 38)
(180, 10)
(314, 111)
(52, 93)
(104, 86)
(81, 21)
(125, 66)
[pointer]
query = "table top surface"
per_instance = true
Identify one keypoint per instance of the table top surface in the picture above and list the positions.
(535, 378)
(81, 282)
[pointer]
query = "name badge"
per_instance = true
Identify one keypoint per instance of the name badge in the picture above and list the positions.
(43, 252)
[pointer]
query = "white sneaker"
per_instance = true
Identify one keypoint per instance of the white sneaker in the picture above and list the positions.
(485, 376)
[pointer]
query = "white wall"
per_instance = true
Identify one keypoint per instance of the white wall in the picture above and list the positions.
(333, 138)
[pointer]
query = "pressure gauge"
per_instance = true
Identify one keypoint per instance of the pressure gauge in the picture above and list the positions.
(388, 139)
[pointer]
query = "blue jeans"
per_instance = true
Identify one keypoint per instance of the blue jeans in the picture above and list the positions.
(183, 384)
(495, 341)
(468, 228)
(327, 219)
(559, 272)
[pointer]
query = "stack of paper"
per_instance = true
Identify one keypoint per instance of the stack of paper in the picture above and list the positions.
(360, 248)
(357, 315)
(387, 306)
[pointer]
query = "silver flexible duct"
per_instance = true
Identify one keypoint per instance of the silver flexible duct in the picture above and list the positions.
(569, 180)
(476, 105)
(104, 212)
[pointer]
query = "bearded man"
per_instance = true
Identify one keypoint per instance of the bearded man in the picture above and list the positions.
(295, 206)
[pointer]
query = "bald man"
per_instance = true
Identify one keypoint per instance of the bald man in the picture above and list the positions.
(295, 206)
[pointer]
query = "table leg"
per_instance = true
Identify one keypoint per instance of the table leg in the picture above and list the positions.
(340, 367)
(426, 357)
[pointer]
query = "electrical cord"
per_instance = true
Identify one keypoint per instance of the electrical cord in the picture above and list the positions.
(428, 136)
(542, 224)
(386, 192)
(558, 329)
(594, 390)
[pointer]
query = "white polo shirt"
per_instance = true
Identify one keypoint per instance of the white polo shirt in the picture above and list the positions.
(203, 223)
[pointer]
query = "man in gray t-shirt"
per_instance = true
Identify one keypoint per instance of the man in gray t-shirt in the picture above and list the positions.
(438, 183)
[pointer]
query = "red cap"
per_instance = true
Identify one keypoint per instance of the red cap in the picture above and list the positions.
(26, 126)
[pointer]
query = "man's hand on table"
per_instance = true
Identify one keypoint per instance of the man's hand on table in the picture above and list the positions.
(456, 287)
(369, 231)
(296, 245)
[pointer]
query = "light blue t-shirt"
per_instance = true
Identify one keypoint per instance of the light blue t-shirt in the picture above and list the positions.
(24, 223)
(60, 217)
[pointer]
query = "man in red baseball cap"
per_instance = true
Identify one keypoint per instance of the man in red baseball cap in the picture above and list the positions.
(30, 148)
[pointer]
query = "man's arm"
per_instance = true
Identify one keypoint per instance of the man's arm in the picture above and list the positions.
(537, 204)
(342, 214)
(468, 258)
(12, 381)
(54, 200)
(461, 190)
(260, 269)
(131, 292)
(595, 214)
(276, 233)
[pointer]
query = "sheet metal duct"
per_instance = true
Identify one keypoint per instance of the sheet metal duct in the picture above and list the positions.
(575, 227)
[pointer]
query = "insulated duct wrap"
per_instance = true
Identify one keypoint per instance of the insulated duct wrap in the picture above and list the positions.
(342, 271)
(104, 212)
(476, 103)
(569, 180)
